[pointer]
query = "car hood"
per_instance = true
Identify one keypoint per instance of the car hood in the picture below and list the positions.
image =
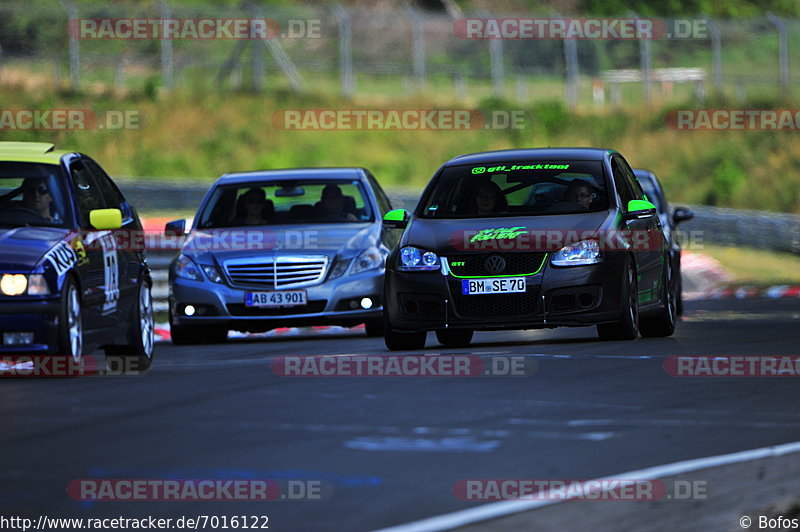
(445, 236)
(344, 240)
(24, 247)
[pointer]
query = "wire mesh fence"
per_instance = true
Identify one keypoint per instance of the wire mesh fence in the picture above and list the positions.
(390, 52)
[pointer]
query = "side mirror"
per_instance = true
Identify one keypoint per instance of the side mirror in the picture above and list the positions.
(397, 218)
(175, 228)
(681, 214)
(640, 209)
(105, 219)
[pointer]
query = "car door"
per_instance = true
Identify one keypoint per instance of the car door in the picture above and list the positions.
(100, 279)
(129, 241)
(645, 231)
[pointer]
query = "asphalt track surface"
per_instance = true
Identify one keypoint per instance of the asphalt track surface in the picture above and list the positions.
(391, 449)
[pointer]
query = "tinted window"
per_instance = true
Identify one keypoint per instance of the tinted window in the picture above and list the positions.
(110, 194)
(526, 188)
(88, 193)
(383, 200)
(622, 184)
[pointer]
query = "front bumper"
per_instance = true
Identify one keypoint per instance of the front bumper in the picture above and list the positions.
(328, 304)
(37, 316)
(569, 296)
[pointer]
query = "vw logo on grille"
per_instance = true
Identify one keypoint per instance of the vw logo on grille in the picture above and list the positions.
(495, 264)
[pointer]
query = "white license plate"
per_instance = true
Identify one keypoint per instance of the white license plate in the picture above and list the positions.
(283, 298)
(493, 285)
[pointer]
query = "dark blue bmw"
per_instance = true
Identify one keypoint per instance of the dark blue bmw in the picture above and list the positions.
(66, 286)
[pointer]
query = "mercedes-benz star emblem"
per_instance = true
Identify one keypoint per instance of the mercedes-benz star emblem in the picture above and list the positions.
(495, 264)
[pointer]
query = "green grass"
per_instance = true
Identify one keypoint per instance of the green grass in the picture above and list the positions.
(756, 266)
(199, 135)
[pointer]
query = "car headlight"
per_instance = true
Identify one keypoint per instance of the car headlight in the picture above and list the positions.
(187, 269)
(414, 259)
(578, 254)
(212, 272)
(369, 259)
(339, 268)
(13, 284)
(37, 286)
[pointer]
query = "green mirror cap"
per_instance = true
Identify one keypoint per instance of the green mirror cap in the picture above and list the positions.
(397, 215)
(639, 205)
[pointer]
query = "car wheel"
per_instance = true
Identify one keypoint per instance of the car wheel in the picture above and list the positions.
(196, 334)
(374, 328)
(137, 355)
(70, 323)
(663, 324)
(402, 341)
(454, 337)
(628, 327)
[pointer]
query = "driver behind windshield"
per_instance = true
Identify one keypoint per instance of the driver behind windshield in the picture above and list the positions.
(489, 199)
(580, 192)
(36, 197)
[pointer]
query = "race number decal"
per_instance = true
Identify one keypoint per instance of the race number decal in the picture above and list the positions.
(62, 257)
(111, 272)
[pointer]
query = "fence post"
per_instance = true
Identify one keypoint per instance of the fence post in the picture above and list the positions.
(345, 51)
(167, 73)
(459, 86)
(571, 58)
(646, 64)
(74, 48)
(417, 46)
(256, 52)
(783, 57)
(716, 54)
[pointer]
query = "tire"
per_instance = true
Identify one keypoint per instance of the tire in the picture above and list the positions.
(196, 334)
(663, 324)
(137, 355)
(374, 328)
(70, 322)
(401, 341)
(454, 337)
(628, 327)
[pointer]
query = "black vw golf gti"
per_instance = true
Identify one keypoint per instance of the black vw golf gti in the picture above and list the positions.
(532, 238)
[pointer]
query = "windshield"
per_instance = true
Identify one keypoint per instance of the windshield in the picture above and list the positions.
(528, 188)
(287, 202)
(31, 194)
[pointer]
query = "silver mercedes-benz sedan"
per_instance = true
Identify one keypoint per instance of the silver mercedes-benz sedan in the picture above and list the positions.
(281, 248)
